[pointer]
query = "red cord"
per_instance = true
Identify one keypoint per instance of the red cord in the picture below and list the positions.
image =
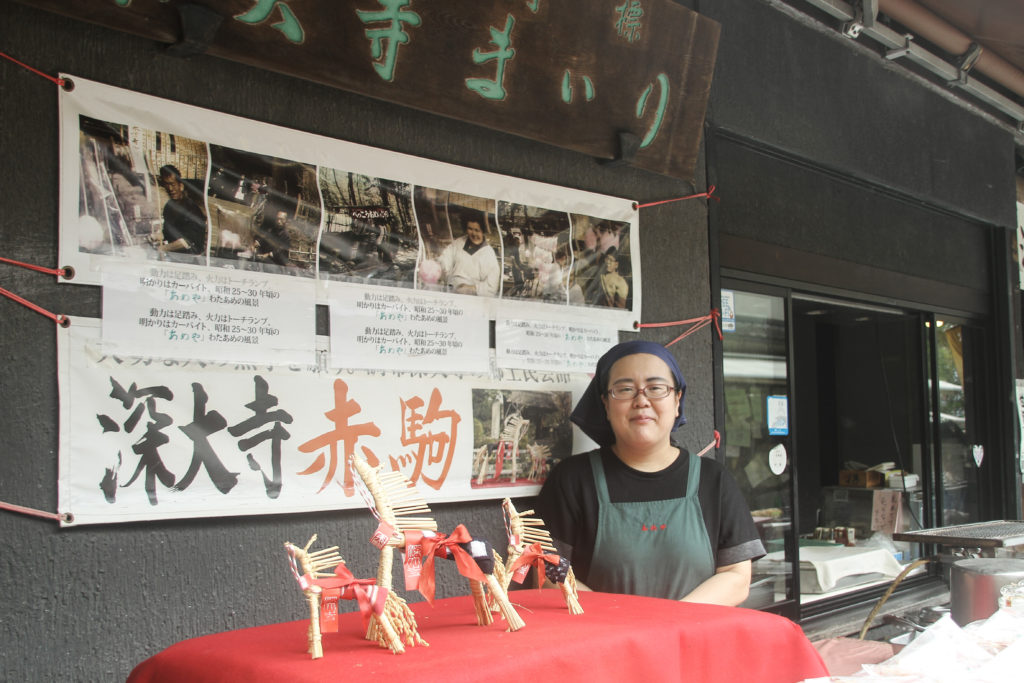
(698, 323)
(36, 513)
(61, 320)
(59, 272)
(58, 81)
(709, 194)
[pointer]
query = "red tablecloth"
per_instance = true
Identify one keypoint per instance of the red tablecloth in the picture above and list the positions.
(618, 638)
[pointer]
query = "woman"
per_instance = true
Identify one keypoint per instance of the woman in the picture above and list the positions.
(641, 515)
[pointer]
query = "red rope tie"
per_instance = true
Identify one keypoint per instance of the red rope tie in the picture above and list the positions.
(61, 320)
(716, 443)
(709, 194)
(66, 271)
(59, 81)
(696, 324)
(66, 517)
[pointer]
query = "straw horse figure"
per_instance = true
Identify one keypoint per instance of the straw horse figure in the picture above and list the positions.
(397, 503)
(530, 543)
(325, 570)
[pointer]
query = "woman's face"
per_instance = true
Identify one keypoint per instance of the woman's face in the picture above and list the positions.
(641, 422)
(474, 232)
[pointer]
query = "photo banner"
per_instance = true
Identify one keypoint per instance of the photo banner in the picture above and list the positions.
(149, 439)
(147, 181)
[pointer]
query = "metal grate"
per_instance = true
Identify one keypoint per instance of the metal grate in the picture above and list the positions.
(979, 535)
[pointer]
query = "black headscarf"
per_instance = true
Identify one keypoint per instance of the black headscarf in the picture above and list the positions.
(589, 413)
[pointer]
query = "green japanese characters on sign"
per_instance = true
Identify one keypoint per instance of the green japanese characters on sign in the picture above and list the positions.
(575, 75)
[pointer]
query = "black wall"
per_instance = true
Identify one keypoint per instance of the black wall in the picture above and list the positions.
(854, 174)
(807, 91)
(840, 173)
(89, 603)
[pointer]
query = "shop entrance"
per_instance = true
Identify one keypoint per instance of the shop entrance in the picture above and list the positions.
(846, 422)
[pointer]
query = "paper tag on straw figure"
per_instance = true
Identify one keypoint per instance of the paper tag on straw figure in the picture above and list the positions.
(519, 575)
(413, 563)
(329, 610)
(382, 535)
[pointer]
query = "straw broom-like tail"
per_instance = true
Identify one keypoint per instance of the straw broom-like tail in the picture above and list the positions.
(523, 532)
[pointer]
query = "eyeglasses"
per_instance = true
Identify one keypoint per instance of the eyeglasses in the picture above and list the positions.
(628, 392)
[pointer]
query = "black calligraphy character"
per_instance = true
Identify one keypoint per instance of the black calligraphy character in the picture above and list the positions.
(276, 434)
(147, 447)
(203, 425)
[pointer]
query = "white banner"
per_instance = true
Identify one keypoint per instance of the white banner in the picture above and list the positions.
(397, 330)
(192, 313)
(144, 439)
(145, 179)
(547, 345)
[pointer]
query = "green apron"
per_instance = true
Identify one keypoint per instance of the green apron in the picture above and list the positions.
(657, 548)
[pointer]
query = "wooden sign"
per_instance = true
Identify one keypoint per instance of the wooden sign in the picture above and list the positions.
(624, 80)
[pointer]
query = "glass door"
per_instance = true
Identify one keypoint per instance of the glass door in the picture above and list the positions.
(961, 451)
(757, 431)
(861, 401)
(846, 425)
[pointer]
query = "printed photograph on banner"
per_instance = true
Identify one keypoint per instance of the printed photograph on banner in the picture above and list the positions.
(369, 230)
(518, 435)
(461, 244)
(141, 193)
(264, 213)
(537, 254)
(601, 272)
(145, 179)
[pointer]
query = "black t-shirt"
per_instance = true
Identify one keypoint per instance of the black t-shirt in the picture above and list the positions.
(277, 242)
(183, 219)
(569, 507)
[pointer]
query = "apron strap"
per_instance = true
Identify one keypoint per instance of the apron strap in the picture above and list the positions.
(693, 478)
(600, 483)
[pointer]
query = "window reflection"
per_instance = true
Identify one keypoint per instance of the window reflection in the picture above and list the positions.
(958, 467)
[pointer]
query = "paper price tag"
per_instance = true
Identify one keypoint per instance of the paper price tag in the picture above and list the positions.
(329, 610)
(412, 562)
(382, 535)
(519, 575)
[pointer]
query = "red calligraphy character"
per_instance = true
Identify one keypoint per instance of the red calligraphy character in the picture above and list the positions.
(434, 434)
(344, 433)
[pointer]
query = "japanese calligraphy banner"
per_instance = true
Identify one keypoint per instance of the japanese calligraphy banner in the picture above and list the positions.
(145, 439)
(147, 181)
(578, 75)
